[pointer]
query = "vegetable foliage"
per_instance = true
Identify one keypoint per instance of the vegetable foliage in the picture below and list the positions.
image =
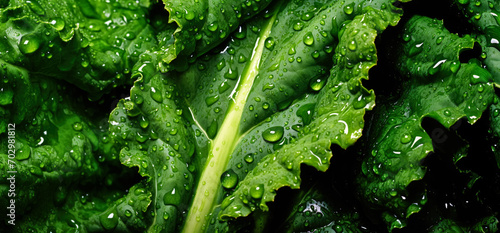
(250, 116)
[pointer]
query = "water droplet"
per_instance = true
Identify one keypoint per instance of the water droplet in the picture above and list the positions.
(211, 100)
(143, 122)
(315, 54)
(439, 40)
(223, 87)
(273, 134)
(189, 15)
(308, 39)
(257, 191)
(140, 138)
(267, 86)
(406, 138)
(212, 27)
(298, 25)
(414, 50)
(77, 126)
(406, 37)
(242, 58)
(455, 66)
(241, 32)
(58, 24)
(173, 131)
(265, 106)
(231, 74)
(109, 220)
(130, 35)
(249, 158)
(128, 213)
(29, 44)
(393, 193)
(306, 112)
(480, 88)
(156, 95)
(229, 179)
(165, 215)
(221, 65)
(212, 129)
(172, 197)
(348, 9)
(269, 43)
(447, 113)
(307, 16)
(352, 45)
(317, 84)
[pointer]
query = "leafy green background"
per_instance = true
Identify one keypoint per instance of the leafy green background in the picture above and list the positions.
(134, 165)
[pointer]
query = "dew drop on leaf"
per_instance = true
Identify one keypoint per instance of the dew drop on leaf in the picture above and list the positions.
(212, 99)
(257, 191)
(58, 24)
(352, 45)
(241, 32)
(109, 220)
(297, 25)
(77, 126)
(189, 15)
(143, 122)
(249, 158)
(229, 179)
(269, 43)
(317, 84)
(348, 9)
(406, 138)
(273, 134)
(156, 95)
(308, 39)
(29, 44)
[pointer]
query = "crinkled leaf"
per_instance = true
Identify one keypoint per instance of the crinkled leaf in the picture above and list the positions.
(263, 93)
(89, 43)
(484, 15)
(336, 118)
(57, 151)
(322, 209)
(158, 141)
(440, 87)
(487, 225)
(200, 26)
(495, 128)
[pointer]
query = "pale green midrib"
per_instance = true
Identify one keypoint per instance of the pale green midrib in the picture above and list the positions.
(224, 142)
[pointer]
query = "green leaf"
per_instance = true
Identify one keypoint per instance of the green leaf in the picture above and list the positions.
(440, 87)
(53, 151)
(321, 209)
(200, 26)
(92, 44)
(483, 15)
(495, 128)
(337, 118)
(486, 225)
(263, 94)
